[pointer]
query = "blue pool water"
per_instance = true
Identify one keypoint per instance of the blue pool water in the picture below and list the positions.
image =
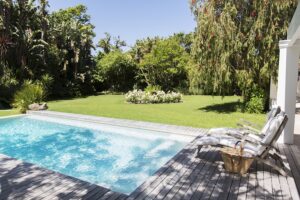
(120, 162)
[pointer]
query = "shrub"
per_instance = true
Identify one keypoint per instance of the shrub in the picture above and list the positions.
(165, 65)
(143, 97)
(256, 103)
(28, 94)
(152, 88)
(116, 72)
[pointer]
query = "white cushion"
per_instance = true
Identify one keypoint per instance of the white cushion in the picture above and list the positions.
(272, 129)
(228, 141)
(224, 131)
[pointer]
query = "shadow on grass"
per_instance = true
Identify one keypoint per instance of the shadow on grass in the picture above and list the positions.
(229, 107)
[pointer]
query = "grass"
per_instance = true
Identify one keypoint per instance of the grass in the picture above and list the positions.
(8, 112)
(195, 111)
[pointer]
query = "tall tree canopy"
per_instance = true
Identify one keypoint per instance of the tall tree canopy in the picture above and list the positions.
(35, 44)
(165, 65)
(236, 44)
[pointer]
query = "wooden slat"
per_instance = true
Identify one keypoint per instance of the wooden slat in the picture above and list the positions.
(295, 153)
(242, 195)
(252, 181)
(259, 190)
(179, 190)
(179, 179)
(159, 180)
(23, 188)
(268, 183)
(98, 195)
(210, 174)
(295, 173)
(154, 177)
(200, 177)
(234, 188)
(286, 194)
(277, 194)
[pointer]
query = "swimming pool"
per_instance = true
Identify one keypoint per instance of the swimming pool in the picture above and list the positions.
(118, 158)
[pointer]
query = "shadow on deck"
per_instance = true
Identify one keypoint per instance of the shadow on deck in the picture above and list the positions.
(203, 177)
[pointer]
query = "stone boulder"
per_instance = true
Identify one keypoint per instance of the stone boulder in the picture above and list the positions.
(37, 106)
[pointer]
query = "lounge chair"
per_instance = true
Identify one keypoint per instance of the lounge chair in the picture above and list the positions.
(255, 127)
(247, 128)
(262, 149)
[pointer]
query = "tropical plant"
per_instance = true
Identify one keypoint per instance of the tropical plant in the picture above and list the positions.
(109, 43)
(28, 94)
(34, 43)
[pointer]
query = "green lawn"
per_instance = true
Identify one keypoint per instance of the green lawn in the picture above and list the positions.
(196, 111)
(8, 112)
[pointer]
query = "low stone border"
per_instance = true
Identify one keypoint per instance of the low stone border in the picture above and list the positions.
(173, 129)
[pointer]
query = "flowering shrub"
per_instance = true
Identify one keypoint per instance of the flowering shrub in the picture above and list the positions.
(141, 97)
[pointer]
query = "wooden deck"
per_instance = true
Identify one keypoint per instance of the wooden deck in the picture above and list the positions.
(19, 180)
(183, 177)
(188, 177)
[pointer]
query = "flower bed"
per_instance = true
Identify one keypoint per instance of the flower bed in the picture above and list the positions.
(141, 97)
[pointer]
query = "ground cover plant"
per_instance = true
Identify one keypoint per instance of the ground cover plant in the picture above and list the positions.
(144, 97)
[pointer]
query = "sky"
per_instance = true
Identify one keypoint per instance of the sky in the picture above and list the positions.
(134, 19)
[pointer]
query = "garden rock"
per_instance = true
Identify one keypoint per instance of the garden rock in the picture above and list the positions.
(37, 106)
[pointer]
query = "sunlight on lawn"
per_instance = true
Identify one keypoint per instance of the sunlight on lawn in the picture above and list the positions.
(195, 111)
(8, 112)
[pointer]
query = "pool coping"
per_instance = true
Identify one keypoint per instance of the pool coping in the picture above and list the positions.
(167, 128)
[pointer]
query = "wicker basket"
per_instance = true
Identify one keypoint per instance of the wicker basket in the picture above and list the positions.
(235, 160)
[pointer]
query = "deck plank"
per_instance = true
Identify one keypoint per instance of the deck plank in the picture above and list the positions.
(151, 180)
(210, 174)
(234, 188)
(151, 190)
(200, 177)
(286, 194)
(259, 190)
(295, 153)
(268, 183)
(252, 181)
(294, 173)
(277, 194)
(181, 188)
(181, 177)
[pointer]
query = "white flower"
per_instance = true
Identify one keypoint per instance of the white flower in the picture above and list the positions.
(141, 97)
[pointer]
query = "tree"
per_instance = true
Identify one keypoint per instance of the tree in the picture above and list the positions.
(108, 44)
(34, 44)
(143, 47)
(116, 71)
(185, 40)
(72, 38)
(165, 65)
(236, 44)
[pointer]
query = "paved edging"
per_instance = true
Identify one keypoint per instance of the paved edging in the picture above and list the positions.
(180, 130)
